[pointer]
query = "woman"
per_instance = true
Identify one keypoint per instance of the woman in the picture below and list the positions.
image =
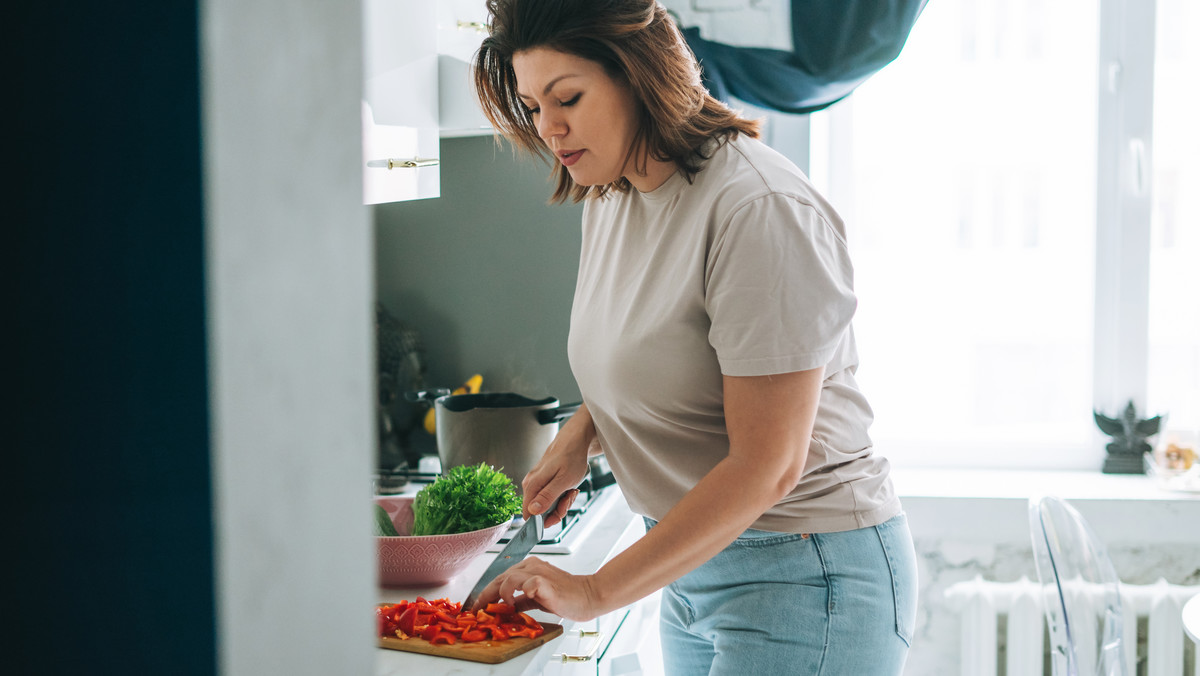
(710, 338)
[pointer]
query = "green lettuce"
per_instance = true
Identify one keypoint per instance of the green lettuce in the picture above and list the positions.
(464, 499)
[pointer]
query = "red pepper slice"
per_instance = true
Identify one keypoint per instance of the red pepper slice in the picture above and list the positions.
(408, 621)
(529, 621)
(473, 635)
(500, 609)
(442, 638)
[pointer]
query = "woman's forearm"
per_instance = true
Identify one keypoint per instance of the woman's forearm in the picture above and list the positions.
(714, 513)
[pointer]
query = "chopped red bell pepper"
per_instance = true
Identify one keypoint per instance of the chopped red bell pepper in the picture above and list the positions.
(442, 622)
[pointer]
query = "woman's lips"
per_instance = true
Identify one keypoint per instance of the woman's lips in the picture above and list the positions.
(569, 157)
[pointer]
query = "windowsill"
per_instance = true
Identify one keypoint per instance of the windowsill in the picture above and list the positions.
(1025, 484)
(991, 506)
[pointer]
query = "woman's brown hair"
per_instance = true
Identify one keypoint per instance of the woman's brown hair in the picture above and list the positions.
(638, 44)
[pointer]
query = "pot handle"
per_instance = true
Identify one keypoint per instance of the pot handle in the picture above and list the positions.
(553, 415)
(426, 395)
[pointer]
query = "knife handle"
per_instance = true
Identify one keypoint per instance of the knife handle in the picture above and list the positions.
(554, 505)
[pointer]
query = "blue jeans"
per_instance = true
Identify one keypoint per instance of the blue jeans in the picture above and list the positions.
(828, 604)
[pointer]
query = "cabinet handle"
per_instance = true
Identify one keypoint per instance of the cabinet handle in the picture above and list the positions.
(1137, 157)
(477, 26)
(591, 653)
(393, 163)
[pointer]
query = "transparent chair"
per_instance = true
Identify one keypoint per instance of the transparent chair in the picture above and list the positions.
(1081, 592)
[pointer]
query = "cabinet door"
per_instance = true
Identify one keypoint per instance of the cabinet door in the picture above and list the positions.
(585, 645)
(461, 28)
(400, 101)
(607, 646)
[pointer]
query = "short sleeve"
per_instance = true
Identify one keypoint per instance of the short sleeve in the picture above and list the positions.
(779, 288)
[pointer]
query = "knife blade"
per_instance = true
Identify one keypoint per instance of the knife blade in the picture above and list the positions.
(518, 547)
(512, 554)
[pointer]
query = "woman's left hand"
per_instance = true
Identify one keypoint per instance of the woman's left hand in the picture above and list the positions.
(534, 584)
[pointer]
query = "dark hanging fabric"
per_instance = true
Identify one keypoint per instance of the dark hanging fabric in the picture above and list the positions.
(836, 46)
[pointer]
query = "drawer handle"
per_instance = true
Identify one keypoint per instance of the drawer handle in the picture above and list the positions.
(393, 163)
(591, 653)
(477, 26)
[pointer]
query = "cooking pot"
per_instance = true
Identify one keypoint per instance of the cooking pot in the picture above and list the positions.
(505, 430)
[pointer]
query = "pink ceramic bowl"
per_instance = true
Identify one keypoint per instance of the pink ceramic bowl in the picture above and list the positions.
(426, 560)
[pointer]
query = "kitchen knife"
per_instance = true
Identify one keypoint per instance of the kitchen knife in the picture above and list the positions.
(514, 552)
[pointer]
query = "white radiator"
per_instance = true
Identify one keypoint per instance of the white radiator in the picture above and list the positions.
(980, 603)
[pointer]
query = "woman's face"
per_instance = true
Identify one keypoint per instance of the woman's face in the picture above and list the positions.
(587, 118)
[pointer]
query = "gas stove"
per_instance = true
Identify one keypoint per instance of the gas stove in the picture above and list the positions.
(565, 537)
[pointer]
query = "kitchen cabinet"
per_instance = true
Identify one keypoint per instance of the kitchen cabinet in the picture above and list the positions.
(461, 28)
(417, 88)
(609, 645)
(400, 146)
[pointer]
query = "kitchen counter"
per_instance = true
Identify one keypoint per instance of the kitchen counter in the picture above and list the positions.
(618, 529)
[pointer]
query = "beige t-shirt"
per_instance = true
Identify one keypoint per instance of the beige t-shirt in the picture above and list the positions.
(743, 272)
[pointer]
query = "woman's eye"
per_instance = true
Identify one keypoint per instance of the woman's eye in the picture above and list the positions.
(571, 101)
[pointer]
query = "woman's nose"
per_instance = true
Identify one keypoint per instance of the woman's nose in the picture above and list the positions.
(550, 125)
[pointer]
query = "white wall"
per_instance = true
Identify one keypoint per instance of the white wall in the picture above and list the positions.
(290, 328)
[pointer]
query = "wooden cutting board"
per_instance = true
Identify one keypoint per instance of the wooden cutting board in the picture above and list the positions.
(490, 652)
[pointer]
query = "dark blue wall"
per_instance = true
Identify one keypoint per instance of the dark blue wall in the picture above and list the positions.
(110, 500)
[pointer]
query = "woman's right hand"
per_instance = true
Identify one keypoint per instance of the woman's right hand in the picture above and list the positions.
(562, 468)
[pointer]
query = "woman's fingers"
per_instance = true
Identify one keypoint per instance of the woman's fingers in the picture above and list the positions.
(534, 584)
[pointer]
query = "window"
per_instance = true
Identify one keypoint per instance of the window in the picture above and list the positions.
(1174, 307)
(1025, 248)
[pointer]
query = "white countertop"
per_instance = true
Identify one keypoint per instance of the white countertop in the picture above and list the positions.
(618, 528)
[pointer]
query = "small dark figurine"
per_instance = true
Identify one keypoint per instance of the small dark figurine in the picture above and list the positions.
(1129, 440)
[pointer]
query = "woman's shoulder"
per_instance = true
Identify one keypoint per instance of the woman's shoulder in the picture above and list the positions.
(742, 169)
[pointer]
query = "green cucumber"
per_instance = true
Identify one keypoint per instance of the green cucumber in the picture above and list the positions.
(383, 523)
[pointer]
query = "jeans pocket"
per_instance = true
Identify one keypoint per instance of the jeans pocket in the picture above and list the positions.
(897, 545)
(762, 538)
